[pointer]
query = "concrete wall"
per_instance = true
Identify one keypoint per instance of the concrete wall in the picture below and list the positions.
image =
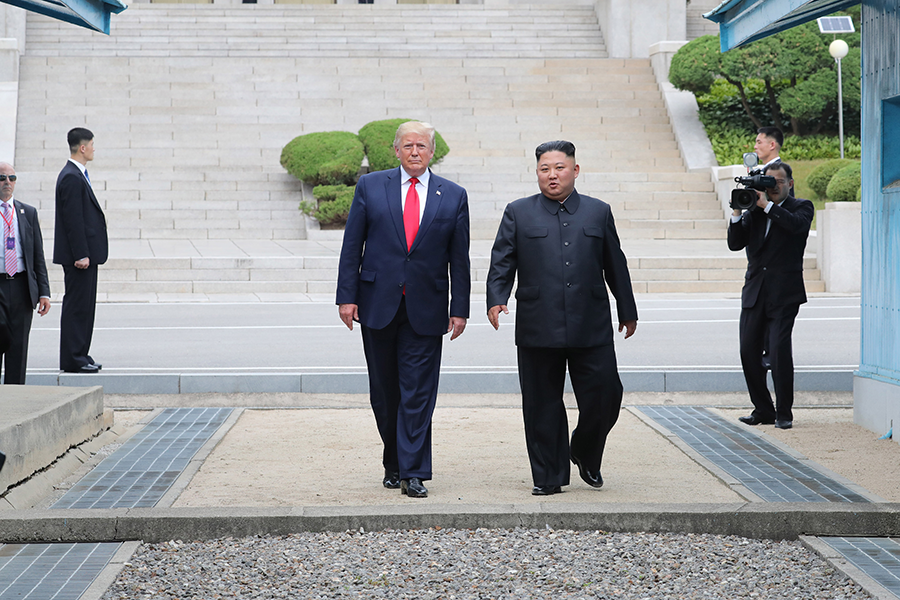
(12, 44)
(630, 27)
(839, 240)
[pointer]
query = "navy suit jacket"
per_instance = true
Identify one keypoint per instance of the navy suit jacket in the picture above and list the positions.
(375, 264)
(32, 243)
(564, 262)
(775, 259)
(80, 224)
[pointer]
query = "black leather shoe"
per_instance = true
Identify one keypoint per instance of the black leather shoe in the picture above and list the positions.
(2, 460)
(99, 366)
(783, 424)
(592, 479)
(413, 488)
(391, 480)
(84, 369)
(752, 420)
(545, 490)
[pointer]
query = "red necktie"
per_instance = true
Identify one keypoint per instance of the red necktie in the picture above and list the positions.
(411, 213)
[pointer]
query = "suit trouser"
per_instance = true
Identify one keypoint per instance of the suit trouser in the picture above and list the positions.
(76, 321)
(404, 368)
(16, 312)
(777, 323)
(598, 393)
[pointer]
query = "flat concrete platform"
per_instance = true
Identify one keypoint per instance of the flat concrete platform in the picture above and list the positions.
(39, 424)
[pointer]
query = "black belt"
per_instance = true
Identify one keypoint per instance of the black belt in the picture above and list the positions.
(16, 276)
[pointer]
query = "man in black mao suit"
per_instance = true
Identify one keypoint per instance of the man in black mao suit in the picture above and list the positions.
(774, 235)
(405, 250)
(565, 249)
(80, 246)
(23, 277)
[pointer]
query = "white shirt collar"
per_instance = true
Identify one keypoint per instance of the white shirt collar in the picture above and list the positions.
(80, 166)
(423, 178)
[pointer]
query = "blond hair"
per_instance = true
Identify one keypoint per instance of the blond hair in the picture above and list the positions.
(419, 127)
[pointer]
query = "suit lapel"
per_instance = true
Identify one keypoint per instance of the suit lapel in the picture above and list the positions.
(432, 204)
(25, 233)
(395, 207)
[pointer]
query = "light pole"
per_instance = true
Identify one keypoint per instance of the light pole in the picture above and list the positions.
(838, 50)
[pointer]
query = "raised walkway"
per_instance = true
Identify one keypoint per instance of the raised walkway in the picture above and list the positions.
(205, 473)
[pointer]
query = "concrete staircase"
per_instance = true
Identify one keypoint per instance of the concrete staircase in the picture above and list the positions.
(192, 104)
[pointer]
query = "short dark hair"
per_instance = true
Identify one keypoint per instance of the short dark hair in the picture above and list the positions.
(567, 148)
(774, 133)
(78, 136)
(783, 166)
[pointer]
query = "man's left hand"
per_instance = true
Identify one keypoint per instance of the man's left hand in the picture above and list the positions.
(629, 327)
(43, 306)
(457, 326)
(761, 199)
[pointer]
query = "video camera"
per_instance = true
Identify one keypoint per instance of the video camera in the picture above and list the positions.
(745, 198)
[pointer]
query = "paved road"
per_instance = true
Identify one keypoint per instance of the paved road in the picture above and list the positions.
(679, 332)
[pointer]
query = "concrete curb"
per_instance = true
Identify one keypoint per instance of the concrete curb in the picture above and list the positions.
(452, 382)
(753, 520)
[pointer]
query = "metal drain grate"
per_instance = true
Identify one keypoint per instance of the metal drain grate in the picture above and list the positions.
(140, 472)
(763, 468)
(51, 571)
(879, 558)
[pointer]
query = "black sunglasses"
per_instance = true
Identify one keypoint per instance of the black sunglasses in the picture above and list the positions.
(11, 177)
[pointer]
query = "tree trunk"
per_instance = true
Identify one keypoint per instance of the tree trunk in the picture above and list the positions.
(744, 102)
(774, 108)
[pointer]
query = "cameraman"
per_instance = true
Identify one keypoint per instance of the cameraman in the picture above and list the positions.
(773, 232)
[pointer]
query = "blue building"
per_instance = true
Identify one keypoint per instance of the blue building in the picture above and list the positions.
(876, 388)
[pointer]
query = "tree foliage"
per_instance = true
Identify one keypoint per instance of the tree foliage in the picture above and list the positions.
(788, 79)
(324, 158)
(843, 186)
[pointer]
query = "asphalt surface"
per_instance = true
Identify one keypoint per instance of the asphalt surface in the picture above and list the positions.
(690, 332)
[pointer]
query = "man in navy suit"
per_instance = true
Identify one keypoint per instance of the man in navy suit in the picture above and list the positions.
(774, 234)
(23, 277)
(406, 247)
(565, 250)
(80, 246)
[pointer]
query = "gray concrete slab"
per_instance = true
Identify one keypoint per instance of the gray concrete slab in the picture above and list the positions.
(39, 424)
(755, 520)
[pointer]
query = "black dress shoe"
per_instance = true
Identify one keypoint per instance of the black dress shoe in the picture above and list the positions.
(413, 488)
(752, 420)
(2, 460)
(592, 479)
(84, 369)
(545, 490)
(99, 366)
(391, 480)
(783, 424)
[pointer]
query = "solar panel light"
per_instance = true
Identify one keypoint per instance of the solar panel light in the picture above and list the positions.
(841, 24)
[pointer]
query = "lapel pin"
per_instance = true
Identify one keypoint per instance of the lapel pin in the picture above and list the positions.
(438, 192)
(22, 211)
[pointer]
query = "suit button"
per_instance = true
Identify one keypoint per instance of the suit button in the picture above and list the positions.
(568, 263)
(566, 244)
(764, 268)
(565, 224)
(407, 259)
(568, 285)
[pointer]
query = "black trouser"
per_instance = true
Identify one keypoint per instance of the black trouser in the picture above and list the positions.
(16, 314)
(76, 321)
(598, 392)
(775, 322)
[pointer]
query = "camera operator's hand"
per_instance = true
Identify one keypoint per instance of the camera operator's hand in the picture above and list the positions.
(762, 200)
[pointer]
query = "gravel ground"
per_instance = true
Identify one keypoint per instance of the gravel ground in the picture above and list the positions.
(481, 564)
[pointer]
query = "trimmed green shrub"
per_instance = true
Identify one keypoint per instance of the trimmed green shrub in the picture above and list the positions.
(729, 144)
(820, 177)
(324, 158)
(859, 194)
(378, 140)
(333, 203)
(844, 184)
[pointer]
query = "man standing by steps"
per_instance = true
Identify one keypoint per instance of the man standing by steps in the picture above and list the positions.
(406, 246)
(80, 246)
(565, 249)
(774, 233)
(768, 146)
(23, 278)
